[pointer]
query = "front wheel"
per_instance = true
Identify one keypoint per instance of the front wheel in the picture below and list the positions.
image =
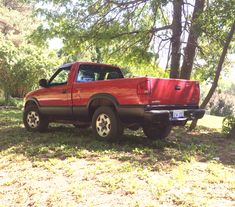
(155, 132)
(106, 124)
(33, 120)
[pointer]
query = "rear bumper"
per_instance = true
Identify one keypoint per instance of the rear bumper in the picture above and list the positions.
(166, 116)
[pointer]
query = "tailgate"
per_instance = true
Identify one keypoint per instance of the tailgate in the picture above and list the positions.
(174, 92)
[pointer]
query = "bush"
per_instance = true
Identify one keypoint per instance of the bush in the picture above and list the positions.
(2, 102)
(222, 108)
(22, 66)
(15, 102)
(228, 127)
(222, 104)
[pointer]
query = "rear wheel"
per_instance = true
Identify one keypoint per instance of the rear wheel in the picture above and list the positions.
(155, 132)
(33, 120)
(106, 124)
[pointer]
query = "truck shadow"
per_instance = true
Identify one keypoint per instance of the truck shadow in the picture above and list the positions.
(62, 142)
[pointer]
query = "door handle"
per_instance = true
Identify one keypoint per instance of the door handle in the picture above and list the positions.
(64, 91)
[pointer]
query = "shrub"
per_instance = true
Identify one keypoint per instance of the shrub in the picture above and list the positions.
(15, 102)
(22, 66)
(229, 126)
(222, 104)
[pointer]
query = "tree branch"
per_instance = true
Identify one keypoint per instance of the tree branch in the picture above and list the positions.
(153, 30)
(126, 3)
(162, 28)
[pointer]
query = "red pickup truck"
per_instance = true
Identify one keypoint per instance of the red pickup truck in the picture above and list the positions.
(84, 94)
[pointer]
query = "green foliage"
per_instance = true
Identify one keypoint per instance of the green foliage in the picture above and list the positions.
(215, 23)
(15, 102)
(218, 16)
(16, 20)
(143, 70)
(229, 125)
(22, 64)
(21, 67)
(104, 31)
(221, 108)
(231, 89)
(222, 104)
(125, 32)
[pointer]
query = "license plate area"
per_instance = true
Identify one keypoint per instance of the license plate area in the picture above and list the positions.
(178, 114)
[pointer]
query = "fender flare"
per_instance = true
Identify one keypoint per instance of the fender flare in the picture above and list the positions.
(34, 100)
(107, 96)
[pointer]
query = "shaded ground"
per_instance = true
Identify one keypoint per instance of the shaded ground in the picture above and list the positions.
(68, 167)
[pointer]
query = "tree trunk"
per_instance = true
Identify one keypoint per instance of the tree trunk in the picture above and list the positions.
(175, 40)
(98, 55)
(190, 50)
(232, 133)
(6, 97)
(217, 74)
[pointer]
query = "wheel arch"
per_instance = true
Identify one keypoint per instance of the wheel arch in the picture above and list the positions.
(101, 100)
(32, 102)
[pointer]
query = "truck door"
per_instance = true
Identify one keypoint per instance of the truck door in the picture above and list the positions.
(56, 98)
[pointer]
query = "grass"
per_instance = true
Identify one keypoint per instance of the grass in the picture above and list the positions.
(12, 102)
(68, 167)
(212, 122)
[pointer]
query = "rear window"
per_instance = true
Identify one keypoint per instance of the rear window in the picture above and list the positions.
(88, 73)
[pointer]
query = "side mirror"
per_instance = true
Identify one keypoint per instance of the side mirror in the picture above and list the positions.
(43, 83)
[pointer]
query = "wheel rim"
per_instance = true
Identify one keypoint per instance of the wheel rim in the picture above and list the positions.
(103, 125)
(33, 119)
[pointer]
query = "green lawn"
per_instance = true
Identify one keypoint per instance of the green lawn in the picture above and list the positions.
(68, 167)
(209, 121)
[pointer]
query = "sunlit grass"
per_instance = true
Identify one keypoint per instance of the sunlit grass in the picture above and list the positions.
(68, 167)
(213, 122)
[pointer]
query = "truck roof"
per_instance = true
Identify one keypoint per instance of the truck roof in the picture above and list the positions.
(87, 63)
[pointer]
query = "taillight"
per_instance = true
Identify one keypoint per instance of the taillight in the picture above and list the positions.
(196, 94)
(144, 88)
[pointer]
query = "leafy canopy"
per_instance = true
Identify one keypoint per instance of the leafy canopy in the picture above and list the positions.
(215, 22)
(122, 32)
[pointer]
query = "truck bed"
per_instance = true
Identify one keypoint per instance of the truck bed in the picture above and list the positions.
(156, 91)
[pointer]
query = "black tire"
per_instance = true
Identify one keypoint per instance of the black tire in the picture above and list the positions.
(33, 120)
(81, 126)
(106, 124)
(155, 132)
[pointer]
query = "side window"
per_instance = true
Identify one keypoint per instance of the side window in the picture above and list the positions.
(113, 75)
(86, 76)
(60, 77)
(88, 73)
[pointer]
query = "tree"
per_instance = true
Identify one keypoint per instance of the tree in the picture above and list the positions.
(124, 31)
(21, 67)
(192, 43)
(21, 62)
(216, 21)
(218, 71)
(175, 39)
(16, 20)
(129, 32)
